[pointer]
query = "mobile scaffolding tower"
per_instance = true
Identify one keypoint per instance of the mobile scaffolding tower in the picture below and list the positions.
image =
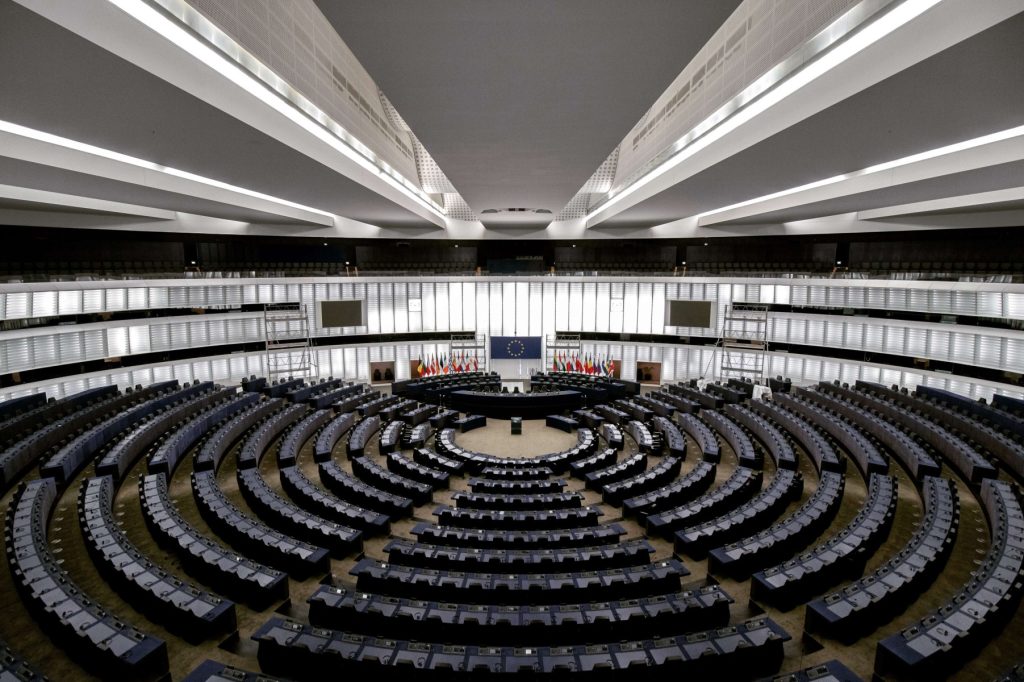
(288, 349)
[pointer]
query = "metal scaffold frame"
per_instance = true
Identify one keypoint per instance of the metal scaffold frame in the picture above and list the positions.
(470, 344)
(558, 343)
(743, 345)
(288, 347)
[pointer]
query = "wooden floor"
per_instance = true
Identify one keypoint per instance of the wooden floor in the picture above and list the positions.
(21, 632)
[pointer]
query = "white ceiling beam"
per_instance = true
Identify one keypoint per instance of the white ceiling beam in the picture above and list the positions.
(116, 31)
(990, 150)
(25, 144)
(945, 24)
(62, 202)
(960, 203)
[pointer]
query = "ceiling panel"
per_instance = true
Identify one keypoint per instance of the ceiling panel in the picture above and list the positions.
(519, 102)
(60, 83)
(51, 179)
(969, 90)
(983, 179)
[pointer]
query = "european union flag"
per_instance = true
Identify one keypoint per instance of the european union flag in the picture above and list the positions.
(515, 347)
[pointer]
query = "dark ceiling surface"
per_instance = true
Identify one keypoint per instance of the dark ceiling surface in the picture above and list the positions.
(971, 89)
(520, 102)
(55, 81)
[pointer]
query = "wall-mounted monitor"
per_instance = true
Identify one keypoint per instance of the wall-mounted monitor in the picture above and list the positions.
(689, 313)
(341, 313)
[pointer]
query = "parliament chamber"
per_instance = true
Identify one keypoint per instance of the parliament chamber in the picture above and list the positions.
(464, 339)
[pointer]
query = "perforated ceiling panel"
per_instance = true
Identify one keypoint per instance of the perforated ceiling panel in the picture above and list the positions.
(758, 35)
(295, 40)
(431, 178)
(595, 188)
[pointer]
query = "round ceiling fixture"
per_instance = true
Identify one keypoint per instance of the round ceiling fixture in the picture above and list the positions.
(516, 210)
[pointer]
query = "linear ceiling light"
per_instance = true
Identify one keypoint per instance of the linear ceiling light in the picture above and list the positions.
(56, 140)
(232, 61)
(721, 123)
(991, 138)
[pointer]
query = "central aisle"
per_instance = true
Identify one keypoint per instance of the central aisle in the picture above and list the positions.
(496, 439)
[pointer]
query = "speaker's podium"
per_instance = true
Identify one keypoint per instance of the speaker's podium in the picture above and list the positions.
(517, 426)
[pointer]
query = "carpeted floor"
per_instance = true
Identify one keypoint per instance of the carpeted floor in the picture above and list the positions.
(536, 439)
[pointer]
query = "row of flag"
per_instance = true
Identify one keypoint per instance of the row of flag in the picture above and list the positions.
(443, 363)
(586, 364)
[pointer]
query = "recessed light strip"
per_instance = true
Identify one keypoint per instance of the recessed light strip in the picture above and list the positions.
(947, 150)
(216, 49)
(768, 91)
(74, 145)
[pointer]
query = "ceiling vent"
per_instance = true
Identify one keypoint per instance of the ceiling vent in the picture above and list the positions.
(517, 210)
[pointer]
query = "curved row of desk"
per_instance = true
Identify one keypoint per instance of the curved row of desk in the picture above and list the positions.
(517, 572)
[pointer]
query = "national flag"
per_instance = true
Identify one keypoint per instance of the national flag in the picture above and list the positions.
(579, 365)
(419, 367)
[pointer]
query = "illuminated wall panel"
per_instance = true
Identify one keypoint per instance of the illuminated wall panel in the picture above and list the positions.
(536, 311)
(495, 308)
(469, 306)
(508, 309)
(678, 363)
(575, 306)
(522, 310)
(535, 306)
(562, 306)
(455, 305)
